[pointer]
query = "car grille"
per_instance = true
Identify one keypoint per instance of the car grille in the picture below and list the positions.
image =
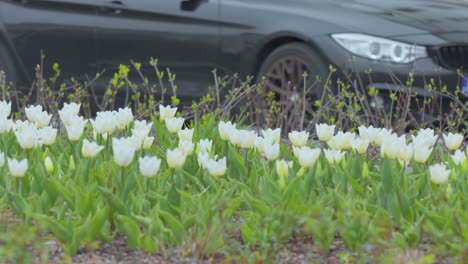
(452, 57)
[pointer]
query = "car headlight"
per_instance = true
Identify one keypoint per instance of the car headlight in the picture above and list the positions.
(382, 49)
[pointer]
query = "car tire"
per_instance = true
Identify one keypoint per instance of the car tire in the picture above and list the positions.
(282, 73)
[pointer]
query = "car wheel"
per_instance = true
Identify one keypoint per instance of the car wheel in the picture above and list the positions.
(282, 78)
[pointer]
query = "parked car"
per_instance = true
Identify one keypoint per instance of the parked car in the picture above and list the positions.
(279, 39)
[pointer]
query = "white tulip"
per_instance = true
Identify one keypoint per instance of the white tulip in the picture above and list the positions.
(5, 125)
(382, 135)
(166, 112)
(76, 128)
(5, 109)
(216, 168)
(247, 139)
(141, 129)
(299, 139)
(235, 137)
(37, 116)
(186, 147)
(47, 135)
(105, 122)
(334, 156)
(174, 124)
(175, 158)
(123, 151)
(439, 173)
(149, 166)
(203, 158)
(360, 145)
(272, 151)
(324, 131)
(307, 156)
(406, 152)
(185, 134)
(225, 129)
(341, 141)
(27, 136)
(370, 133)
(260, 144)
(272, 134)
(148, 142)
(205, 145)
(17, 168)
(453, 140)
(123, 118)
(282, 167)
(459, 157)
(421, 154)
(2, 157)
(90, 149)
(425, 138)
(69, 112)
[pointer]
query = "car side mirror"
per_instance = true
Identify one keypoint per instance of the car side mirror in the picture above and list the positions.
(191, 5)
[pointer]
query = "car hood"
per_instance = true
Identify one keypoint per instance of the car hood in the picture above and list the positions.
(444, 20)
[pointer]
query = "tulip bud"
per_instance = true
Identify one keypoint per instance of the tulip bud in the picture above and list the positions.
(299, 139)
(324, 131)
(71, 163)
(453, 140)
(439, 173)
(49, 165)
(149, 166)
(17, 168)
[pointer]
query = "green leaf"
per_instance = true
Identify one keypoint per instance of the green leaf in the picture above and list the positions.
(97, 222)
(114, 201)
(131, 230)
(176, 227)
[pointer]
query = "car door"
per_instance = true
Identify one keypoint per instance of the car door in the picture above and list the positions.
(63, 30)
(182, 35)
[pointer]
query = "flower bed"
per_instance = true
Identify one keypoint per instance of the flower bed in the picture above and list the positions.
(165, 183)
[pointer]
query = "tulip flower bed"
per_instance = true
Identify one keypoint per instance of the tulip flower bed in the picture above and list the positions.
(212, 188)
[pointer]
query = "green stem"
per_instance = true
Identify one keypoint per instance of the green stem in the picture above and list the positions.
(122, 176)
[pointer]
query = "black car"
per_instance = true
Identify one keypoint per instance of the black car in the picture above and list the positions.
(279, 39)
